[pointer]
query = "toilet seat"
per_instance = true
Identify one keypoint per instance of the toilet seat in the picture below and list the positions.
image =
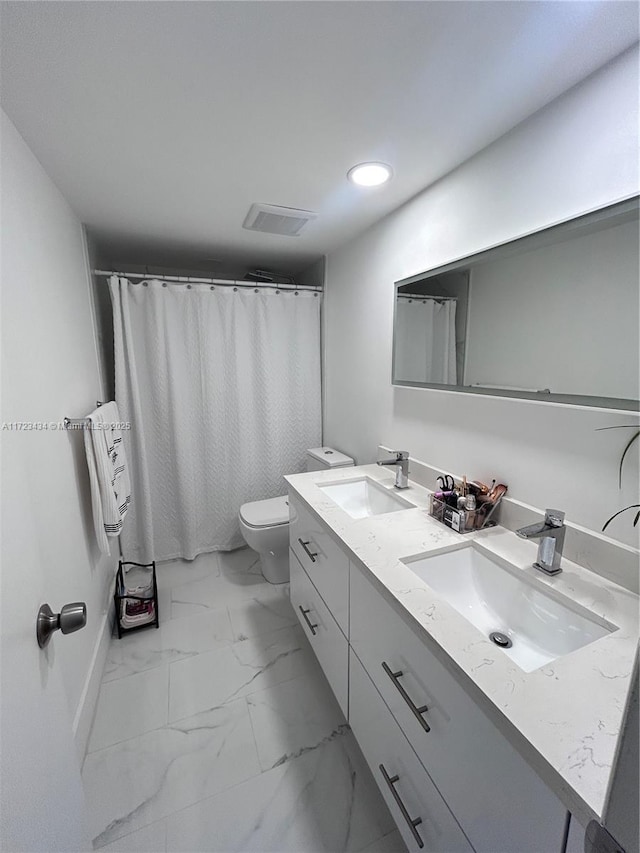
(268, 513)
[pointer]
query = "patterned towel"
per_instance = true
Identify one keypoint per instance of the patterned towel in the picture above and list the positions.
(108, 473)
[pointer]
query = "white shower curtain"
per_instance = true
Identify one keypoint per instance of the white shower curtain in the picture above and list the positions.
(222, 390)
(425, 341)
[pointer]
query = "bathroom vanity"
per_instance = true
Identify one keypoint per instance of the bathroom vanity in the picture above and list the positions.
(474, 747)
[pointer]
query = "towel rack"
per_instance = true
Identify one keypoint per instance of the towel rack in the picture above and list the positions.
(80, 423)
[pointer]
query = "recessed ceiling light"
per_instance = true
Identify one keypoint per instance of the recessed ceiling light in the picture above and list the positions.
(369, 174)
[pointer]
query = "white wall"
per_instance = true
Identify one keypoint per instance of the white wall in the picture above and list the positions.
(313, 274)
(521, 309)
(49, 371)
(577, 154)
(101, 297)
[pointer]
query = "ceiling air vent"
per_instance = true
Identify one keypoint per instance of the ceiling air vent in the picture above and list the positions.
(272, 219)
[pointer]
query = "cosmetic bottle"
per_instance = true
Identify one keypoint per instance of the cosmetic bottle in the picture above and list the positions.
(471, 512)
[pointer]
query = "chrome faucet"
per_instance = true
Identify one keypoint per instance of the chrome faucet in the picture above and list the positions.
(401, 461)
(551, 534)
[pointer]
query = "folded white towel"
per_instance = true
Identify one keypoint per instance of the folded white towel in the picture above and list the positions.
(108, 473)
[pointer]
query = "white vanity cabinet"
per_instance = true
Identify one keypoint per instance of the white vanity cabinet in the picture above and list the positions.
(575, 840)
(326, 639)
(500, 802)
(423, 817)
(322, 559)
(444, 761)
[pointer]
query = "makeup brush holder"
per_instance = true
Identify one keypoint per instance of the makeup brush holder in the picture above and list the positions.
(463, 520)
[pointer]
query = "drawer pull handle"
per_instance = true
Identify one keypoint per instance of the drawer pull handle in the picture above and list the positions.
(412, 822)
(417, 712)
(304, 612)
(309, 554)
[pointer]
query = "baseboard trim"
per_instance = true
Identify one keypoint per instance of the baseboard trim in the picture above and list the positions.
(89, 697)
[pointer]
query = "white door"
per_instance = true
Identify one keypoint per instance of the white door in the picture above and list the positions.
(41, 797)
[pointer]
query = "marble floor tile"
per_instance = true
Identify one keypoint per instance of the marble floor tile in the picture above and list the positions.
(146, 778)
(272, 610)
(227, 589)
(242, 568)
(213, 678)
(130, 706)
(295, 717)
(241, 560)
(150, 839)
(164, 604)
(177, 572)
(218, 731)
(323, 801)
(174, 640)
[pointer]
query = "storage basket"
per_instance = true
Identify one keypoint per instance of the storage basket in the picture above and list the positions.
(136, 597)
(462, 520)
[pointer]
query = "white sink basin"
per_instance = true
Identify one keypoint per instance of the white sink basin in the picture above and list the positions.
(494, 598)
(364, 497)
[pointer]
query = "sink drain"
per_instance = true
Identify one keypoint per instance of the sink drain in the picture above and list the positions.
(500, 639)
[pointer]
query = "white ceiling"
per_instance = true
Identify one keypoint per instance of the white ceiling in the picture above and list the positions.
(163, 122)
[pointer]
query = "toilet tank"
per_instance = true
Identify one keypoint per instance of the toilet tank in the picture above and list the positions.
(319, 458)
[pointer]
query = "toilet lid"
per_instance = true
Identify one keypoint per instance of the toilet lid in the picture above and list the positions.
(267, 513)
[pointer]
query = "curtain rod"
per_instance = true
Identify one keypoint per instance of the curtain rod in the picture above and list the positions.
(427, 296)
(221, 282)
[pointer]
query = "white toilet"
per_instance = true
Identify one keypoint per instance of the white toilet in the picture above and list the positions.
(265, 524)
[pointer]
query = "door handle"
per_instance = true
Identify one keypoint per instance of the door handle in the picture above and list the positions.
(417, 712)
(71, 618)
(304, 612)
(412, 822)
(309, 554)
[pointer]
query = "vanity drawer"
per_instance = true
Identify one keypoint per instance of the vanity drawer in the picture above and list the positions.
(501, 803)
(406, 787)
(327, 640)
(322, 559)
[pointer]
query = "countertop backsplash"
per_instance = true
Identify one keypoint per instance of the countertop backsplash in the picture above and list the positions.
(599, 553)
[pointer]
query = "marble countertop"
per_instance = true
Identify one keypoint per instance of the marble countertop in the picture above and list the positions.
(563, 717)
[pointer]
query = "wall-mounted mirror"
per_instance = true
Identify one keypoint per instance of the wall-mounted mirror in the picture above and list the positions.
(552, 316)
